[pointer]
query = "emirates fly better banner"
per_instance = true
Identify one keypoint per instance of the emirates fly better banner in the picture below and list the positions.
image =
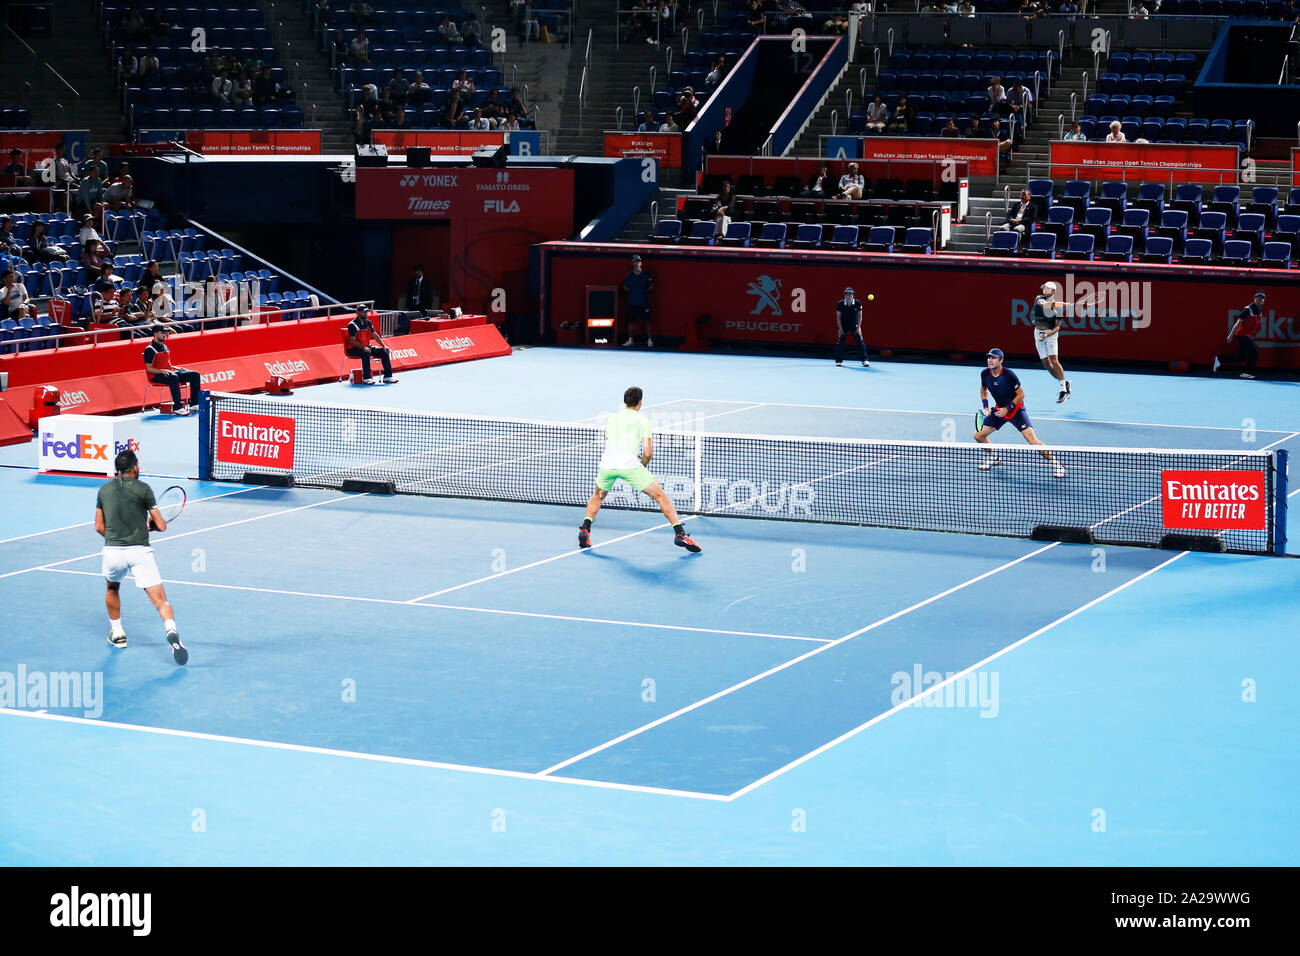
(247, 439)
(1214, 500)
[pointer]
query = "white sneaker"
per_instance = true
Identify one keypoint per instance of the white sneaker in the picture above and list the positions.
(1246, 375)
(182, 411)
(649, 343)
(866, 364)
(1058, 470)
(1215, 366)
(1062, 396)
(989, 462)
(628, 343)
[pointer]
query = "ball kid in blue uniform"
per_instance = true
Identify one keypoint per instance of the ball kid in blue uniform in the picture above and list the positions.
(1008, 406)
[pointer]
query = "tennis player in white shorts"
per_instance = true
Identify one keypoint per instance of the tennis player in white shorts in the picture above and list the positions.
(1046, 317)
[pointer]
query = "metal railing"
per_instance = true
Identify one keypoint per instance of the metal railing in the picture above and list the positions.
(67, 87)
(582, 101)
(116, 333)
(835, 122)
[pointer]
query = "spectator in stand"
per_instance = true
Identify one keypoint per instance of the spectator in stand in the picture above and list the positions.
(950, 131)
(1024, 215)
(685, 111)
(361, 12)
(90, 194)
(1003, 136)
(419, 92)
(996, 95)
(973, 131)
(714, 146)
(96, 160)
(716, 74)
(1018, 101)
(64, 175)
(877, 115)
(511, 123)
(670, 125)
(455, 117)
(158, 27)
(359, 49)
(493, 109)
(14, 300)
(463, 84)
(400, 119)
(851, 183)
(516, 103)
(241, 93)
(648, 124)
(1075, 133)
(480, 122)
(398, 88)
(42, 249)
(724, 202)
(1140, 11)
(130, 314)
(818, 184)
(449, 32)
(104, 307)
(860, 9)
(93, 248)
(1116, 134)
(837, 24)
(901, 121)
(472, 30)
(8, 244)
(151, 279)
(689, 93)
(1027, 10)
(967, 9)
(1069, 8)
(222, 89)
(161, 304)
(264, 88)
(133, 24)
(16, 168)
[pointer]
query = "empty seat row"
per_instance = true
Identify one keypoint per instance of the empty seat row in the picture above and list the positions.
(780, 235)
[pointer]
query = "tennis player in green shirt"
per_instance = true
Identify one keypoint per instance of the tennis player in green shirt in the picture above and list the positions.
(125, 511)
(628, 450)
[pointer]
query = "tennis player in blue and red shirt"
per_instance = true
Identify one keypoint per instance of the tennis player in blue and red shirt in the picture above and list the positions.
(1009, 406)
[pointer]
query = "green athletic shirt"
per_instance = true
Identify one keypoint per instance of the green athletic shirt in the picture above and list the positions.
(126, 503)
(625, 435)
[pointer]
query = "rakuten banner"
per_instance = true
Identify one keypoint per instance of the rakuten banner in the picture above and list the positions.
(1189, 164)
(963, 304)
(665, 147)
(254, 142)
(982, 154)
(439, 143)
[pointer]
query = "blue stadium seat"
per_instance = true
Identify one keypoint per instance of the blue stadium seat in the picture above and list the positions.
(1277, 255)
(1060, 223)
(772, 237)
(918, 240)
(1173, 226)
(1158, 249)
(667, 231)
(1288, 230)
(1114, 196)
(1077, 195)
(1197, 252)
(1118, 249)
(880, 239)
(737, 235)
(1004, 243)
(1041, 189)
(1250, 228)
(844, 237)
(807, 236)
(1096, 223)
(1188, 198)
(1236, 252)
(1079, 246)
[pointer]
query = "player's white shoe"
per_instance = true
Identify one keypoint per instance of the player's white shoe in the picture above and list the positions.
(1058, 470)
(628, 343)
(649, 343)
(1215, 366)
(989, 462)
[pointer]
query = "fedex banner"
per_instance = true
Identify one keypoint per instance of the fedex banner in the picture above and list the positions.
(982, 154)
(440, 144)
(254, 142)
(1182, 164)
(85, 443)
(1214, 500)
(1117, 312)
(664, 147)
(246, 439)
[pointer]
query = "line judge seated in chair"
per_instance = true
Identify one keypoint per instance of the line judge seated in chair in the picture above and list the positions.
(158, 366)
(360, 334)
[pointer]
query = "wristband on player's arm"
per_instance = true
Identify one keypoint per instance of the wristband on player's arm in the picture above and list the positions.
(986, 404)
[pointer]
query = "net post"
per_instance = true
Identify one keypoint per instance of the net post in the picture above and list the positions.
(205, 435)
(698, 479)
(1281, 460)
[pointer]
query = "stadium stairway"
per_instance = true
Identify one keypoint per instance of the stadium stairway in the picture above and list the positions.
(540, 70)
(613, 74)
(77, 52)
(323, 108)
(833, 109)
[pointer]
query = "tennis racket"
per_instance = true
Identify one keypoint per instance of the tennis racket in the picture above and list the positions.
(979, 419)
(171, 503)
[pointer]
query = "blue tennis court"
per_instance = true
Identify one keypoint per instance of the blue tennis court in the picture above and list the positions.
(416, 680)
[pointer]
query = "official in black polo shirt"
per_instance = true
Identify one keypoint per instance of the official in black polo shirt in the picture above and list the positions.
(158, 366)
(361, 328)
(849, 311)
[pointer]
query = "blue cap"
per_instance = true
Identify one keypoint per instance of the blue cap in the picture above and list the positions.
(996, 353)
(849, 291)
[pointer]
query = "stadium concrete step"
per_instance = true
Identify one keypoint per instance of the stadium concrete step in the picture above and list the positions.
(79, 55)
(309, 74)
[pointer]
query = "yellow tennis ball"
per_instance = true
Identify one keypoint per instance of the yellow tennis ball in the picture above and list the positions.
(871, 297)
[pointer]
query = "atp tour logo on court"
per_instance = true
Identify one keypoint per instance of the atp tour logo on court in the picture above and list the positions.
(246, 439)
(1214, 500)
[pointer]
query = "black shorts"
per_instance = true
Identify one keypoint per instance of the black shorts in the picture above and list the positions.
(638, 313)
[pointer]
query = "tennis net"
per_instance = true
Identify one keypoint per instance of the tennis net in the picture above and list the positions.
(1218, 500)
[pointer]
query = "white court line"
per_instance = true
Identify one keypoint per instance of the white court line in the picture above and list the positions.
(459, 607)
(1044, 418)
(790, 663)
(186, 534)
(955, 677)
(91, 524)
(357, 755)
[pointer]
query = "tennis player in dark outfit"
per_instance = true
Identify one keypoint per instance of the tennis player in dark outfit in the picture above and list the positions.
(849, 311)
(637, 284)
(359, 349)
(158, 366)
(125, 512)
(1245, 329)
(1009, 406)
